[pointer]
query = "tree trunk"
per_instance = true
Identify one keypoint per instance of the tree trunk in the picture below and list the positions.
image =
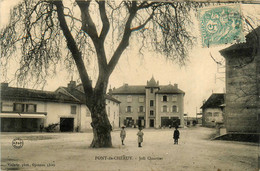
(100, 124)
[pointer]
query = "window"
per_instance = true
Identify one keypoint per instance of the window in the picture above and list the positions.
(73, 109)
(108, 111)
(18, 107)
(151, 90)
(141, 99)
(30, 108)
(141, 109)
(151, 102)
(174, 109)
(129, 99)
(174, 98)
(129, 109)
(151, 112)
(164, 108)
(209, 114)
(165, 98)
(216, 114)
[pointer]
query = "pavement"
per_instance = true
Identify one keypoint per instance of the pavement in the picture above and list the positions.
(70, 151)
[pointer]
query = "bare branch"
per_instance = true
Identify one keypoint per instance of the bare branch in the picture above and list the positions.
(87, 23)
(105, 21)
(74, 49)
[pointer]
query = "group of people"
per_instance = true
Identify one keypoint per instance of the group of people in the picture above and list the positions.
(140, 134)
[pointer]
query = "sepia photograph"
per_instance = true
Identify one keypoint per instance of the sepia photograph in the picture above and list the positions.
(111, 85)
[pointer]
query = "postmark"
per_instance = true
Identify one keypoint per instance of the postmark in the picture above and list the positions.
(17, 143)
(221, 25)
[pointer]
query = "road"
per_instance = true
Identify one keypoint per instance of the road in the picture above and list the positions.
(70, 151)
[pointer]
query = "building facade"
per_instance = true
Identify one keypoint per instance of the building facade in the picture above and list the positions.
(151, 105)
(77, 92)
(26, 110)
(212, 110)
(242, 85)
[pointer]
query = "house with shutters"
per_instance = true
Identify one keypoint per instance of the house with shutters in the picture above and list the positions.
(151, 105)
(26, 110)
(212, 110)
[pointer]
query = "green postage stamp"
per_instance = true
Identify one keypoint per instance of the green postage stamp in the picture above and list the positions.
(221, 25)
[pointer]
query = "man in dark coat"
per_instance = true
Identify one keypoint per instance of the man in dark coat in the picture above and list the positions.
(176, 135)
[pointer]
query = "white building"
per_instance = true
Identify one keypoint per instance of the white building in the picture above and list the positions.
(24, 110)
(76, 92)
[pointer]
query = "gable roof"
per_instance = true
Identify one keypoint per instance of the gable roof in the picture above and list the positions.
(80, 95)
(12, 93)
(216, 100)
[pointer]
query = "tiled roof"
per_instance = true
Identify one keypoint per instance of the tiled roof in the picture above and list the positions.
(127, 89)
(169, 89)
(81, 96)
(11, 93)
(216, 100)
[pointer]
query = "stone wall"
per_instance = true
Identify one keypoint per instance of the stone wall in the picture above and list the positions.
(241, 94)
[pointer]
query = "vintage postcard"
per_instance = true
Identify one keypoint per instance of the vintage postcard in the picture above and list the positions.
(130, 85)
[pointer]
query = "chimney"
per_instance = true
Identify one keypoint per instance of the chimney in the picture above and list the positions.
(72, 84)
(4, 85)
(176, 85)
(158, 83)
(110, 90)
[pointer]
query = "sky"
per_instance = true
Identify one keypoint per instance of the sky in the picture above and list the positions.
(199, 78)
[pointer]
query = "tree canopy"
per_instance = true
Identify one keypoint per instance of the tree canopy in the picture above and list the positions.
(39, 30)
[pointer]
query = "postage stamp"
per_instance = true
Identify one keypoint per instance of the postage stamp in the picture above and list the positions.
(221, 25)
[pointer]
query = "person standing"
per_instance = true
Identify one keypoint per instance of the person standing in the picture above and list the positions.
(123, 134)
(140, 135)
(176, 135)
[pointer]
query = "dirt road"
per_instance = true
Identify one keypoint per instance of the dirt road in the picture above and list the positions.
(70, 151)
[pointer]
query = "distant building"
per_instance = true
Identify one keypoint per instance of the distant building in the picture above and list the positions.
(212, 110)
(242, 85)
(151, 105)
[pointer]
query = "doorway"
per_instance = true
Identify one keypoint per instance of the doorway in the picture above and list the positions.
(66, 124)
(151, 123)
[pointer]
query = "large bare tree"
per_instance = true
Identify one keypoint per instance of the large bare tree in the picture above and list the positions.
(40, 31)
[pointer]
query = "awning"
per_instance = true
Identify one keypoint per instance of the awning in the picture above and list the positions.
(16, 115)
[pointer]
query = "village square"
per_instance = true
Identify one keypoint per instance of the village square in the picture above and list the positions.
(131, 85)
(70, 151)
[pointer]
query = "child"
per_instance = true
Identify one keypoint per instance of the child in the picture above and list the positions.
(123, 134)
(140, 135)
(176, 135)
